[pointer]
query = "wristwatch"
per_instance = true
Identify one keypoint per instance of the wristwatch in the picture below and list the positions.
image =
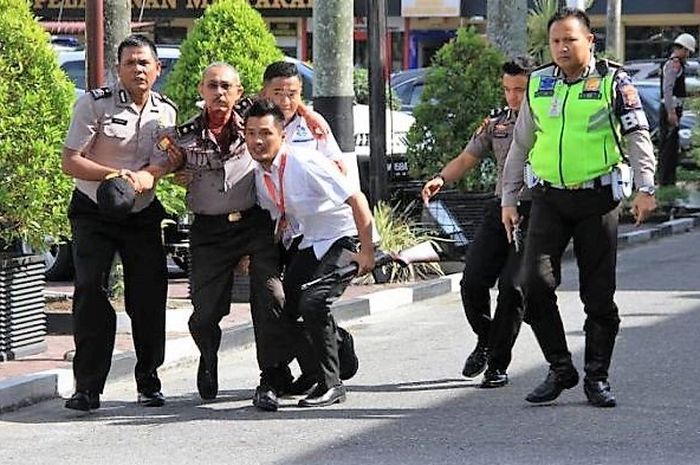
(649, 190)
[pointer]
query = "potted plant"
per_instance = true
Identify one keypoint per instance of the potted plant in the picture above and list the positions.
(35, 102)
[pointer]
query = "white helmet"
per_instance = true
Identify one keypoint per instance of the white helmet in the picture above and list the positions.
(686, 41)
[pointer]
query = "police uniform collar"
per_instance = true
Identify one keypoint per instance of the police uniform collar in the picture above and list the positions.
(189, 127)
(292, 121)
(278, 159)
(154, 102)
(122, 95)
(557, 72)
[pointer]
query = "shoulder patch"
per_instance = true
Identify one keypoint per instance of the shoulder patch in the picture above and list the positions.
(496, 112)
(482, 127)
(242, 105)
(167, 100)
(102, 92)
(189, 127)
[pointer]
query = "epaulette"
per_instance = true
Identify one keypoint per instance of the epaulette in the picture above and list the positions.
(102, 92)
(604, 65)
(167, 100)
(496, 112)
(189, 127)
(242, 105)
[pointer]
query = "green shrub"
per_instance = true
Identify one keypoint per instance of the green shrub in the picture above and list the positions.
(463, 85)
(35, 104)
(230, 31)
(360, 83)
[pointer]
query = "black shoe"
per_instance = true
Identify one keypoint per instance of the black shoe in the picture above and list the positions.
(476, 362)
(207, 378)
(348, 362)
(322, 397)
(265, 398)
(553, 385)
(302, 386)
(494, 379)
(83, 401)
(151, 399)
(599, 393)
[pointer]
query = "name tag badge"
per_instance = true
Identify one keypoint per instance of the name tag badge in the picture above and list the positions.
(591, 89)
(555, 107)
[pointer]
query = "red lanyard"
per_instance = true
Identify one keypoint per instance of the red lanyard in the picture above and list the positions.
(271, 186)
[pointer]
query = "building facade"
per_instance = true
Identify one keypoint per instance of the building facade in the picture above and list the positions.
(416, 29)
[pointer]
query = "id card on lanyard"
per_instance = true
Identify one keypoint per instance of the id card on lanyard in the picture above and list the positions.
(282, 230)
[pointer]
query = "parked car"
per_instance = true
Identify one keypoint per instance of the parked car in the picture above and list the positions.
(408, 86)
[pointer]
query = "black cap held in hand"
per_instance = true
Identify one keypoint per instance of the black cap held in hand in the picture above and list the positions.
(115, 198)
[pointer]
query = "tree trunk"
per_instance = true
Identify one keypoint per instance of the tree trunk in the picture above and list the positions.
(506, 26)
(117, 28)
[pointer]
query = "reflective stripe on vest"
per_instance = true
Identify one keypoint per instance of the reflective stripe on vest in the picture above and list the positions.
(576, 139)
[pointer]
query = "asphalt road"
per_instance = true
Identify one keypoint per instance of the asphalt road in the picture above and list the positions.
(409, 404)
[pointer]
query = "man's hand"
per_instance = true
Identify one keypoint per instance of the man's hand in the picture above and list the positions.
(146, 181)
(672, 119)
(642, 206)
(176, 156)
(510, 218)
(364, 260)
(132, 178)
(183, 177)
(431, 188)
(318, 126)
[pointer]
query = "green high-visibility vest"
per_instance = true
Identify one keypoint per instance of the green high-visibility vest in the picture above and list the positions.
(577, 134)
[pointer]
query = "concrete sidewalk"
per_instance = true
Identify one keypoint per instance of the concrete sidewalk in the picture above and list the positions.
(48, 375)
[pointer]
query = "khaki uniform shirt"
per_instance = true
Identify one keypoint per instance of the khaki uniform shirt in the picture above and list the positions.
(223, 180)
(494, 136)
(108, 128)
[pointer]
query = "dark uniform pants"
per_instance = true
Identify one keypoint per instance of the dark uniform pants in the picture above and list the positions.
(314, 304)
(216, 246)
(489, 258)
(590, 217)
(669, 149)
(138, 241)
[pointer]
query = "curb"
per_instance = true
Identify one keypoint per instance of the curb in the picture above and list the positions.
(29, 389)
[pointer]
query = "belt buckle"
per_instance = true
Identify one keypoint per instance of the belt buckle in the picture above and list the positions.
(234, 217)
(575, 187)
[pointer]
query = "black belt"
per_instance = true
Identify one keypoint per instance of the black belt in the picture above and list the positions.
(230, 217)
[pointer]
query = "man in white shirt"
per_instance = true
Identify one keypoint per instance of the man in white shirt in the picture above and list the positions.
(282, 85)
(305, 188)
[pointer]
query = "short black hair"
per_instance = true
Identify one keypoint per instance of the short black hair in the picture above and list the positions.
(518, 65)
(263, 107)
(136, 40)
(564, 13)
(281, 69)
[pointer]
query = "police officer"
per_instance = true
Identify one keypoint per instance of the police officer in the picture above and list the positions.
(305, 188)
(672, 94)
(490, 257)
(114, 131)
(227, 226)
(568, 131)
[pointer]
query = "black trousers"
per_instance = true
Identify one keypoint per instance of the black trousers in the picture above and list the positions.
(489, 258)
(216, 246)
(314, 304)
(669, 149)
(138, 241)
(590, 217)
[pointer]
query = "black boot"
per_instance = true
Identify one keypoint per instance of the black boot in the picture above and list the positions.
(599, 393)
(553, 385)
(83, 401)
(600, 341)
(207, 377)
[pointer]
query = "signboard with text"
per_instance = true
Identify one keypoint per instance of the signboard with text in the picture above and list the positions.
(153, 9)
(413, 8)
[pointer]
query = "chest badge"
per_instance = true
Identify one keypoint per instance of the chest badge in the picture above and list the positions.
(546, 86)
(591, 88)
